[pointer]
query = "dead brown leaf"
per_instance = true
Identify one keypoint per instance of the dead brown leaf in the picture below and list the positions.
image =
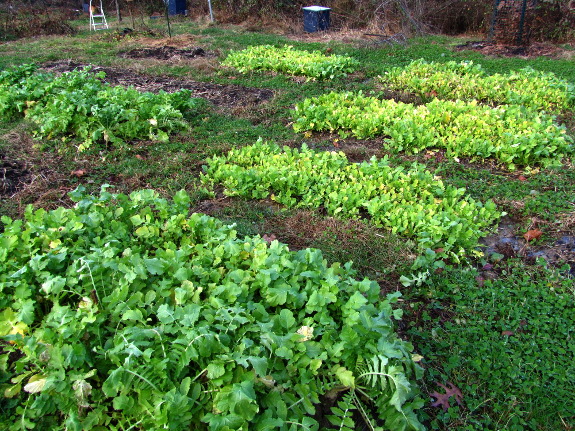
(532, 234)
(443, 399)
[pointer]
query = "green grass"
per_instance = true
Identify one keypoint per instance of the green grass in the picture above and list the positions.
(507, 344)
(545, 194)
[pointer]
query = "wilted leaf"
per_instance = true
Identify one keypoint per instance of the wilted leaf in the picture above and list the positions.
(82, 390)
(35, 384)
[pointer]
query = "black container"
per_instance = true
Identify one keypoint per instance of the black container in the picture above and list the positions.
(315, 18)
(176, 7)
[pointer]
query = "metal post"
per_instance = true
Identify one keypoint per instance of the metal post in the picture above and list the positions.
(493, 21)
(211, 13)
(521, 23)
(168, 18)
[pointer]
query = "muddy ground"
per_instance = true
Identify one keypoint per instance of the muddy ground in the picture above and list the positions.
(227, 96)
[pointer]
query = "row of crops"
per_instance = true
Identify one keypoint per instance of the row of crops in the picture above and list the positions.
(466, 112)
(79, 107)
(124, 312)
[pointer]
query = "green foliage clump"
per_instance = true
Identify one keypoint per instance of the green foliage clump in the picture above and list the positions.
(506, 343)
(291, 61)
(409, 202)
(510, 133)
(468, 81)
(79, 106)
(126, 313)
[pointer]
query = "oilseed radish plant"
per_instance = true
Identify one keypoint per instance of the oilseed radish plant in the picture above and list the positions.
(410, 202)
(511, 134)
(468, 81)
(125, 312)
(288, 60)
(78, 107)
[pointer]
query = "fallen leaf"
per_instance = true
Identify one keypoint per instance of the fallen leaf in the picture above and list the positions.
(443, 399)
(79, 173)
(532, 234)
(508, 333)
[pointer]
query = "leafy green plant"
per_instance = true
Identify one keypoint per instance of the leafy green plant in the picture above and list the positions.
(511, 134)
(468, 81)
(126, 313)
(78, 106)
(504, 341)
(291, 61)
(409, 202)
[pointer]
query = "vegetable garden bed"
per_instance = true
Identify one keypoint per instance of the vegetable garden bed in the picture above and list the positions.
(125, 311)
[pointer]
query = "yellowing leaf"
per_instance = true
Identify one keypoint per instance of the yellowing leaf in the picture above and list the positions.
(10, 324)
(35, 384)
(345, 377)
(12, 391)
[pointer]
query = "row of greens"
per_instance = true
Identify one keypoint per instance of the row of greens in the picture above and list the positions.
(468, 81)
(291, 61)
(126, 313)
(78, 106)
(511, 133)
(410, 202)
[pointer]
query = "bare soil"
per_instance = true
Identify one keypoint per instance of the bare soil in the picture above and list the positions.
(12, 174)
(228, 96)
(531, 51)
(29, 176)
(169, 53)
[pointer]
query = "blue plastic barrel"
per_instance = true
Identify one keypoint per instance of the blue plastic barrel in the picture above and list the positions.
(315, 18)
(176, 7)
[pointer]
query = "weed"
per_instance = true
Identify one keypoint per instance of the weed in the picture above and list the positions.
(506, 343)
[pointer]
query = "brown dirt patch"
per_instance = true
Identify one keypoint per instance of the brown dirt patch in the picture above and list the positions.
(534, 50)
(356, 150)
(227, 96)
(28, 176)
(180, 41)
(13, 174)
(166, 53)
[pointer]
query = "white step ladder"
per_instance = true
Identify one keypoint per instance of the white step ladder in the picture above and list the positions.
(97, 17)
